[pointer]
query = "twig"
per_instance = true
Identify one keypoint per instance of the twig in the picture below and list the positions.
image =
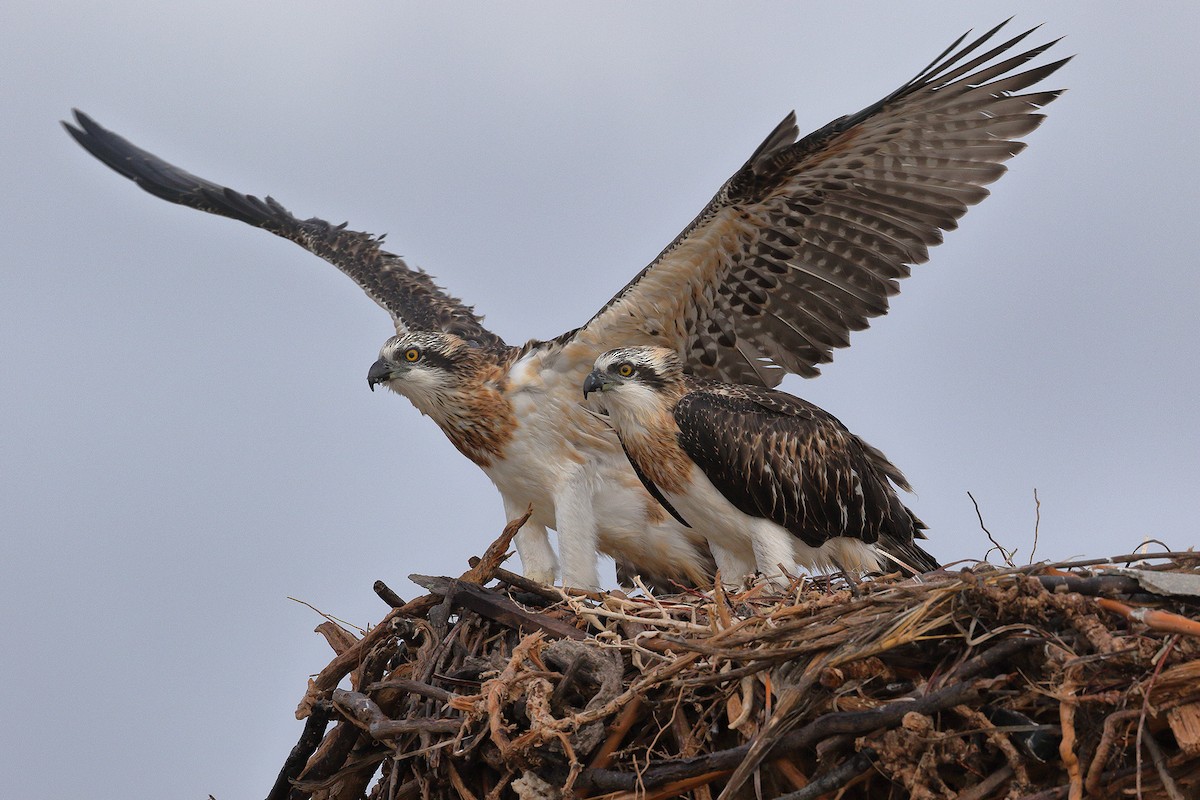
(1093, 586)
(412, 687)
(629, 715)
(1037, 523)
(1174, 555)
(791, 773)
(836, 778)
(988, 785)
(457, 782)
(1006, 554)
(1146, 710)
(999, 741)
(1160, 764)
(497, 607)
(675, 789)
(1096, 768)
(780, 722)
(1152, 618)
(387, 595)
(366, 714)
(329, 758)
(314, 731)
(521, 582)
(496, 552)
(329, 617)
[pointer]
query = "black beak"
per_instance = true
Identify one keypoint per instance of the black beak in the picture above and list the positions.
(378, 373)
(594, 382)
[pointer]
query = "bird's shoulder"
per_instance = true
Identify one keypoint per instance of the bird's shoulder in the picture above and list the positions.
(746, 400)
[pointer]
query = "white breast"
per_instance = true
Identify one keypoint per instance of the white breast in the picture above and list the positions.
(562, 456)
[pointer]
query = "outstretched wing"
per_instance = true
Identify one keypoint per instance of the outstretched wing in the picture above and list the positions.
(776, 456)
(410, 296)
(809, 239)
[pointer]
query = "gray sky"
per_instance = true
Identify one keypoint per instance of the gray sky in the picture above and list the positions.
(187, 437)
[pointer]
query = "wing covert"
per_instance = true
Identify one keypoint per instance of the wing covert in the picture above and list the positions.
(776, 456)
(810, 238)
(409, 295)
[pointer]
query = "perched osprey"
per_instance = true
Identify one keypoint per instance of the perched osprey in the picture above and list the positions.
(805, 243)
(772, 480)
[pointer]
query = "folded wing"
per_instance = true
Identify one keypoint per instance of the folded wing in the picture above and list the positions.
(781, 458)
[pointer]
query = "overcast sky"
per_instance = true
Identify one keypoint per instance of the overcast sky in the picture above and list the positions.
(187, 438)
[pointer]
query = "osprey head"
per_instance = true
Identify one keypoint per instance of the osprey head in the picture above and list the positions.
(424, 366)
(634, 371)
(458, 383)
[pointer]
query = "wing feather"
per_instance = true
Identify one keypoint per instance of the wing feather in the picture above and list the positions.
(409, 295)
(776, 456)
(821, 228)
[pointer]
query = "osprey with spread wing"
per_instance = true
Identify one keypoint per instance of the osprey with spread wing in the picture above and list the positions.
(805, 243)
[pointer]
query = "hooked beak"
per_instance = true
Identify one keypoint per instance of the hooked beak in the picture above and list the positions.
(596, 381)
(380, 372)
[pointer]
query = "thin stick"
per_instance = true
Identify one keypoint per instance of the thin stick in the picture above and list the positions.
(329, 617)
(1160, 764)
(1096, 769)
(670, 790)
(1146, 709)
(629, 715)
(1006, 554)
(988, 785)
(836, 778)
(521, 582)
(1037, 523)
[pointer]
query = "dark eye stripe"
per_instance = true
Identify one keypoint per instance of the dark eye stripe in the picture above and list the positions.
(648, 376)
(435, 359)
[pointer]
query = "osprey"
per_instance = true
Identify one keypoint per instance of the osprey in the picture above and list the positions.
(805, 243)
(771, 479)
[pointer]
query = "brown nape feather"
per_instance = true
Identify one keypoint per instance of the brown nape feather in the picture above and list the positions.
(476, 417)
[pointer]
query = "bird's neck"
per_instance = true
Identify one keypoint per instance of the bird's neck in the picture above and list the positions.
(651, 438)
(476, 417)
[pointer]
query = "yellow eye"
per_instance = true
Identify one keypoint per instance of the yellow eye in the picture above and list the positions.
(625, 370)
(412, 354)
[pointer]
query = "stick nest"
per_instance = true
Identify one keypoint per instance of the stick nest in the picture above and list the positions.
(1066, 681)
